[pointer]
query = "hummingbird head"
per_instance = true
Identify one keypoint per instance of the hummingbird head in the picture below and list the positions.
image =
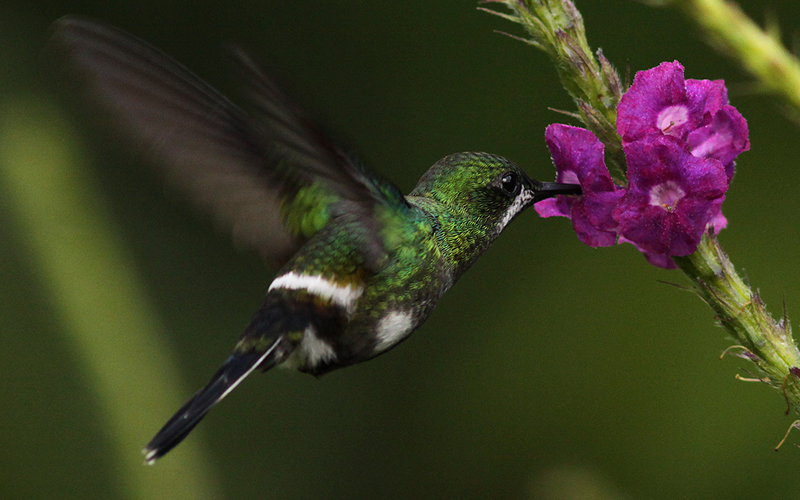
(488, 189)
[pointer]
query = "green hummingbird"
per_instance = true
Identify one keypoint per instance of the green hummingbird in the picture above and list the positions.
(362, 265)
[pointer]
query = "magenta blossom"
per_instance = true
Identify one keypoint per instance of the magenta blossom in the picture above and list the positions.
(680, 138)
(670, 196)
(661, 102)
(578, 157)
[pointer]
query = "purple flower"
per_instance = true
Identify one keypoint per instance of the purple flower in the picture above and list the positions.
(657, 103)
(723, 138)
(670, 198)
(578, 156)
(661, 102)
(680, 138)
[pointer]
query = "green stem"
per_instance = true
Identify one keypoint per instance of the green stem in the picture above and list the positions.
(98, 298)
(760, 52)
(556, 27)
(769, 343)
(766, 342)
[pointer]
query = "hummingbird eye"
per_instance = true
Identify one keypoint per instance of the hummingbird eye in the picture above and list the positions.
(509, 183)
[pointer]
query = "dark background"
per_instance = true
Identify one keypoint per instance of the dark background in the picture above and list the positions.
(548, 363)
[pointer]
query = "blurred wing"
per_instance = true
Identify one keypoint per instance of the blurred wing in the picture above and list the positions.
(274, 179)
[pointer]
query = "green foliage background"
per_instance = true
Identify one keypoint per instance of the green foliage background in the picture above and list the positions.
(551, 370)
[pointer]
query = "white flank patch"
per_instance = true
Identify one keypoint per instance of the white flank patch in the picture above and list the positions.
(342, 296)
(315, 350)
(393, 328)
(520, 202)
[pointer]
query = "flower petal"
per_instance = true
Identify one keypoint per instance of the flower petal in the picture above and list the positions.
(656, 103)
(671, 196)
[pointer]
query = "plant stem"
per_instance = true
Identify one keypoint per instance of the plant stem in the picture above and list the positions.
(556, 27)
(766, 342)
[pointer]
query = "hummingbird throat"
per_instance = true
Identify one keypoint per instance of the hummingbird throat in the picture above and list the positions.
(522, 200)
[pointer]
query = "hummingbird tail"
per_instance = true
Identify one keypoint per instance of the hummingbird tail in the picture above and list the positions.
(233, 371)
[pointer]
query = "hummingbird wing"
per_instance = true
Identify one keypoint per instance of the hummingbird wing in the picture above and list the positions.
(272, 178)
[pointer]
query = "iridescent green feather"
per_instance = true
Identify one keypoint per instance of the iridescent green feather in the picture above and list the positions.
(308, 211)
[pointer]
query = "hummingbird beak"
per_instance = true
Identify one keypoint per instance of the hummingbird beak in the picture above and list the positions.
(550, 189)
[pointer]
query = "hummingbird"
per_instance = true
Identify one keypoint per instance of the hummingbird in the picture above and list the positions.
(361, 265)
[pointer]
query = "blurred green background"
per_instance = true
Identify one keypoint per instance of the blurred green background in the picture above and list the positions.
(551, 370)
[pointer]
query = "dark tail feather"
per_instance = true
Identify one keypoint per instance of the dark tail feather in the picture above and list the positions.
(233, 371)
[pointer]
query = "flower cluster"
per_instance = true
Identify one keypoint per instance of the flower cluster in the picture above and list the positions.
(680, 138)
